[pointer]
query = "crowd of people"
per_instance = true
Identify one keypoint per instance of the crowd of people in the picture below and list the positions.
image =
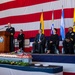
(43, 45)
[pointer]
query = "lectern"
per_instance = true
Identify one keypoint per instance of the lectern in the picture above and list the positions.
(4, 41)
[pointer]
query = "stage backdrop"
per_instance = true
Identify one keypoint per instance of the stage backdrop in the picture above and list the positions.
(25, 14)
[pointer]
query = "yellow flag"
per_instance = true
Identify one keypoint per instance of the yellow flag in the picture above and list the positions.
(74, 21)
(73, 28)
(74, 16)
(42, 23)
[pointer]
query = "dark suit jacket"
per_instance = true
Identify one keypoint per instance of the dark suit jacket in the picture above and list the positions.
(21, 37)
(42, 38)
(11, 30)
(70, 36)
(55, 40)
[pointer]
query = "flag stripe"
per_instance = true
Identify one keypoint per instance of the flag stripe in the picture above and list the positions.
(31, 34)
(5, 1)
(22, 3)
(36, 17)
(31, 9)
(35, 25)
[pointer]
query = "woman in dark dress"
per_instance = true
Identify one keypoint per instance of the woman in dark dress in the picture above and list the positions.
(20, 39)
(53, 42)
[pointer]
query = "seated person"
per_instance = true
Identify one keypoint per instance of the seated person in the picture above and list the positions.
(20, 39)
(68, 43)
(53, 42)
(39, 43)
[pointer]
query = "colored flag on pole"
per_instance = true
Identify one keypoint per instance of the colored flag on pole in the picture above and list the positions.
(74, 21)
(52, 26)
(42, 22)
(74, 16)
(62, 26)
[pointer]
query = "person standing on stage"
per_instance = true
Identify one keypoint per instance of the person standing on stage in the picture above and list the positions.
(11, 30)
(20, 39)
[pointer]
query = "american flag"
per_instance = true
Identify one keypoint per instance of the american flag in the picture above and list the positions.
(25, 14)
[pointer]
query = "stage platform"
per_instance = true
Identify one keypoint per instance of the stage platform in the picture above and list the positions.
(36, 69)
(65, 60)
(8, 66)
(61, 58)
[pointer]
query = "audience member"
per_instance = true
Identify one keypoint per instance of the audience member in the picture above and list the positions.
(69, 41)
(39, 43)
(53, 43)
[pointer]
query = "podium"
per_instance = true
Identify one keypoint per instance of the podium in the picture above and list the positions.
(4, 42)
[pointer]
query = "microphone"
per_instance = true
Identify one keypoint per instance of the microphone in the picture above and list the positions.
(6, 26)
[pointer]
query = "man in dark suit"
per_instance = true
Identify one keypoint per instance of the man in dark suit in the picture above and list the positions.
(69, 41)
(20, 39)
(11, 30)
(39, 43)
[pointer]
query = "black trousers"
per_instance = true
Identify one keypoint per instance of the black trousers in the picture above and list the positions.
(21, 45)
(68, 47)
(52, 47)
(12, 44)
(38, 48)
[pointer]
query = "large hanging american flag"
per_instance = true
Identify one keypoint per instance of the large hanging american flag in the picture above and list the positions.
(25, 14)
